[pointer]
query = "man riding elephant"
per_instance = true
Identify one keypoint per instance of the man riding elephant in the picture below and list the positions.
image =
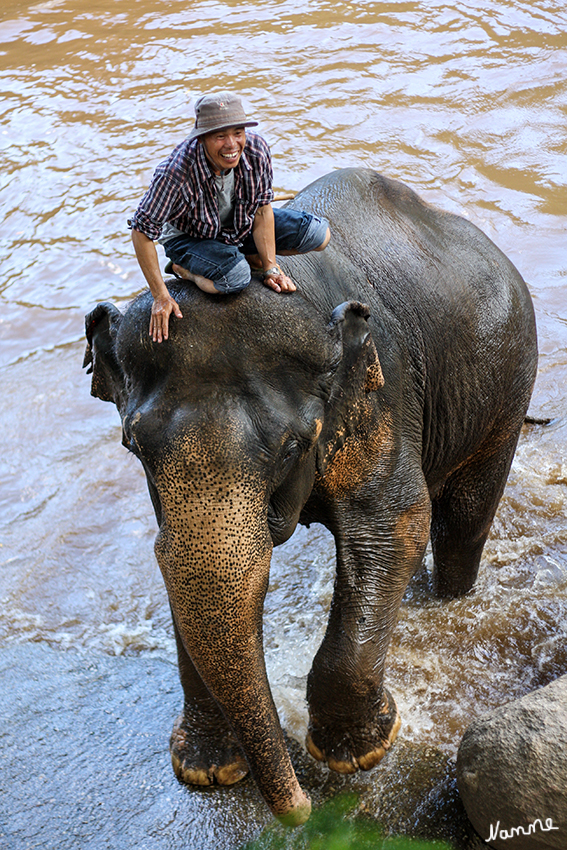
(209, 205)
(383, 399)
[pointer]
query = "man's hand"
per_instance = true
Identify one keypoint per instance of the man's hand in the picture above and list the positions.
(278, 281)
(263, 231)
(164, 305)
(162, 308)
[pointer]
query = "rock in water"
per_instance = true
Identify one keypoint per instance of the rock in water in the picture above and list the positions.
(512, 772)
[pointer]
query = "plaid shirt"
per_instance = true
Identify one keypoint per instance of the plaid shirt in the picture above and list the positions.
(183, 192)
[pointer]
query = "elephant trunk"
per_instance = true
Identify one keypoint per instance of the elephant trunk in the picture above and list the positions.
(214, 554)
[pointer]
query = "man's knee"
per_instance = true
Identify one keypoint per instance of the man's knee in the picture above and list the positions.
(316, 236)
(218, 267)
(325, 241)
(234, 279)
(299, 232)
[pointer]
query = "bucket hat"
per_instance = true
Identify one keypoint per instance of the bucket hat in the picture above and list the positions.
(217, 112)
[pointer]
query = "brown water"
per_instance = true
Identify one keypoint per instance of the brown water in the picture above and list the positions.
(465, 102)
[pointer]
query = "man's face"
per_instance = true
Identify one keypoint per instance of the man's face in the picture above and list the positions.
(224, 147)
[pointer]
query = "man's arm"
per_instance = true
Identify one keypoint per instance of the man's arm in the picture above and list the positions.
(263, 231)
(163, 304)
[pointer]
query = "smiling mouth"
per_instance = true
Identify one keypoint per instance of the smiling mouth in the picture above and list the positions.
(231, 156)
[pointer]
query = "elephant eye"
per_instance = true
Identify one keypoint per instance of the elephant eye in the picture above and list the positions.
(290, 450)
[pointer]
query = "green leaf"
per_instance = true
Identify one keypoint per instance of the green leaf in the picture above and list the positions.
(334, 826)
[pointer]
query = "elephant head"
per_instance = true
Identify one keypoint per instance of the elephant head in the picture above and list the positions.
(235, 418)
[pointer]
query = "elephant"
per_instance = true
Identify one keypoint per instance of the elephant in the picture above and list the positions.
(383, 399)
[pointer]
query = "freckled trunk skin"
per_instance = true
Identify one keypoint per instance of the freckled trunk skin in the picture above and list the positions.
(215, 566)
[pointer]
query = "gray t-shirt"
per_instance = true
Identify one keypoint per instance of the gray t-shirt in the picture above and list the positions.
(225, 200)
(225, 196)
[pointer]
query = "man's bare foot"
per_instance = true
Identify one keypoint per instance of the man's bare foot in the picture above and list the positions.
(179, 271)
(202, 282)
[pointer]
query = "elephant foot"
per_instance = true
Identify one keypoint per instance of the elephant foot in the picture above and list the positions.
(347, 749)
(205, 756)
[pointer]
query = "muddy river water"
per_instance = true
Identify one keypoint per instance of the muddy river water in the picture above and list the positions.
(465, 102)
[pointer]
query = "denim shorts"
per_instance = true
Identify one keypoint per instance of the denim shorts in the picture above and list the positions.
(226, 265)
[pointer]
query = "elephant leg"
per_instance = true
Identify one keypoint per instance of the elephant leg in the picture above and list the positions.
(203, 747)
(462, 515)
(353, 718)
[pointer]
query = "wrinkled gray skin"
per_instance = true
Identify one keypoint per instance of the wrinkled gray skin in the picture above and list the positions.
(383, 399)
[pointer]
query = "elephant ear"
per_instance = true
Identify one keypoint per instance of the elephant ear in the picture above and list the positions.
(101, 329)
(357, 374)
